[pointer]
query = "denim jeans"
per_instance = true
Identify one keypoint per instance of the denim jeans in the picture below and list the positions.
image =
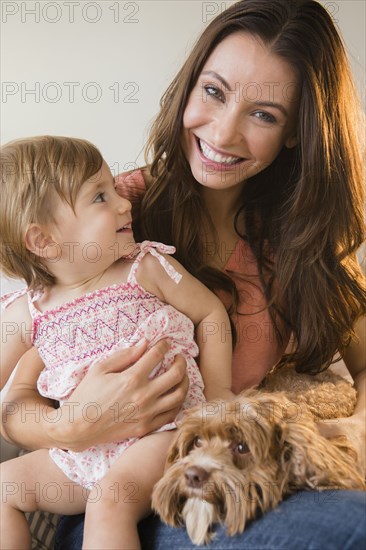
(308, 520)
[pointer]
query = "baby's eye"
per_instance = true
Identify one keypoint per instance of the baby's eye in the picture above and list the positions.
(214, 91)
(99, 198)
(265, 117)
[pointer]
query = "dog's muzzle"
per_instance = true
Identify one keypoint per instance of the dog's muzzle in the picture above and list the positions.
(195, 477)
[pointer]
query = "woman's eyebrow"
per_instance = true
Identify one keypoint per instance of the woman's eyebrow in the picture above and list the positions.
(278, 106)
(218, 77)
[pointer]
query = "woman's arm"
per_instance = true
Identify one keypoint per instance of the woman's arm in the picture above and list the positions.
(114, 401)
(22, 405)
(354, 427)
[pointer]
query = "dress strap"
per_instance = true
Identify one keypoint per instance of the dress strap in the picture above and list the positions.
(32, 295)
(10, 297)
(155, 250)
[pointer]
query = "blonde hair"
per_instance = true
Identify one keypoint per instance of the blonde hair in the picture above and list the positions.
(34, 172)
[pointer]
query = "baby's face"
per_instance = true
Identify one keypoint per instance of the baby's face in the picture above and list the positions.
(98, 230)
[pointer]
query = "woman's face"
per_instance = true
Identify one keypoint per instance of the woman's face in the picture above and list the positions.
(241, 112)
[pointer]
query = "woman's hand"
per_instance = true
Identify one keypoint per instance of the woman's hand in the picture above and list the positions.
(353, 427)
(114, 401)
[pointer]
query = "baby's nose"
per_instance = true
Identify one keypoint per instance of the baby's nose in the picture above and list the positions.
(123, 205)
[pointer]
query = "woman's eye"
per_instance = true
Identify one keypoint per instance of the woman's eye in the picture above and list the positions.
(265, 117)
(241, 449)
(213, 91)
(99, 198)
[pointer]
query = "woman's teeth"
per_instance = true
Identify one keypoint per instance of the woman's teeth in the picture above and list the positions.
(216, 157)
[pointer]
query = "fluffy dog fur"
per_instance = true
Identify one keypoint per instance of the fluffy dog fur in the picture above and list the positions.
(231, 460)
(326, 395)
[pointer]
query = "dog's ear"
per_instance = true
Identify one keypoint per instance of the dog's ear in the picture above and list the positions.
(282, 447)
(174, 451)
(181, 443)
(279, 439)
(289, 436)
(166, 499)
(189, 427)
(312, 461)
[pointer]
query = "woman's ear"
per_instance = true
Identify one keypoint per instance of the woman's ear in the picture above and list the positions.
(291, 142)
(39, 241)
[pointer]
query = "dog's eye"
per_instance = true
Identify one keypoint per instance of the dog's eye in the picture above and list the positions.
(197, 442)
(241, 448)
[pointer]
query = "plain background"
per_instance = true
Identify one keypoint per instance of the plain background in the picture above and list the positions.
(98, 69)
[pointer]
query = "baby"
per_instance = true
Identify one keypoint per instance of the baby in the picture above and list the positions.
(92, 289)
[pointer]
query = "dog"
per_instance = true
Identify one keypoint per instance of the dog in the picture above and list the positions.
(230, 461)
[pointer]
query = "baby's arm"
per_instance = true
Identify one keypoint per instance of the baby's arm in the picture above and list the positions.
(208, 314)
(16, 326)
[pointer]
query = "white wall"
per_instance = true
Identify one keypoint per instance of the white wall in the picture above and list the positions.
(97, 69)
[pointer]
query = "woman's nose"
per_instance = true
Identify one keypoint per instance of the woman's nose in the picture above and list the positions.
(228, 128)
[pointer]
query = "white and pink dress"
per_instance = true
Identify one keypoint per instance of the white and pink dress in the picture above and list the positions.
(74, 336)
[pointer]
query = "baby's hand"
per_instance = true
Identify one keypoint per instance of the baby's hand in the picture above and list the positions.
(353, 427)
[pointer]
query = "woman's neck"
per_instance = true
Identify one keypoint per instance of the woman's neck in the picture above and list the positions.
(222, 237)
(222, 206)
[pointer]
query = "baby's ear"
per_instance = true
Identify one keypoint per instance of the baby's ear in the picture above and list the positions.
(39, 241)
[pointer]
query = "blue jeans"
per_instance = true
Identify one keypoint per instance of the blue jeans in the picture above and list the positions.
(327, 520)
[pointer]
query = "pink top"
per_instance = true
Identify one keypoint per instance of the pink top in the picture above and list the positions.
(257, 349)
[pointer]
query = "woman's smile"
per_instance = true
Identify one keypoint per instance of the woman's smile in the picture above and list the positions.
(215, 160)
(213, 154)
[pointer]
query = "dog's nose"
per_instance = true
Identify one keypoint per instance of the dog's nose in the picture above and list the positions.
(195, 476)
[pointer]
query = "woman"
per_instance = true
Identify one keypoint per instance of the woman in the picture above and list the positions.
(257, 179)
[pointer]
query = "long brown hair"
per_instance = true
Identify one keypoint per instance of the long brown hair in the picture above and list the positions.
(308, 204)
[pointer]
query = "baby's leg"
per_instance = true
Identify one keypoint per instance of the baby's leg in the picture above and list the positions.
(29, 483)
(123, 497)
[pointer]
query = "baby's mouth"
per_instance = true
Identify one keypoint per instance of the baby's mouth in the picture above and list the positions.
(126, 227)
